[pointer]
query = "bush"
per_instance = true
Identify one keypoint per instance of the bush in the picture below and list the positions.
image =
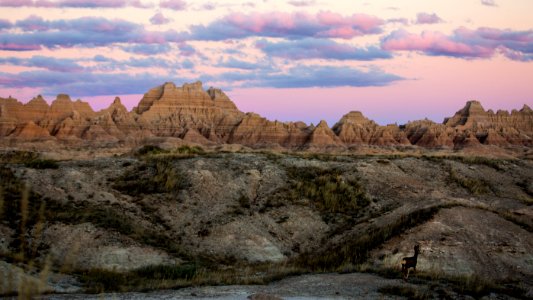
(157, 176)
(186, 149)
(185, 271)
(17, 156)
(150, 150)
(42, 164)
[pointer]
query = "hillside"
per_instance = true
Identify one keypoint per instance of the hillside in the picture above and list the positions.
(159, 218)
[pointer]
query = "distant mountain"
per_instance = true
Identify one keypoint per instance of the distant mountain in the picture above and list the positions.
(209, 117)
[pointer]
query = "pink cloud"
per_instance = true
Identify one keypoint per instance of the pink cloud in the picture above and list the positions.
(290, 25)
(15, 3)
(173, 4)
(365, 23)
(73, 3)
(19, 47)
(159, 19)
(425, 18)
(434, 43)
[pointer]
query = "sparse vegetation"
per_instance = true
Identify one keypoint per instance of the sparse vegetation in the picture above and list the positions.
(149, 277)
(17, 156)
(332, 191)
(328, 190)
(473, 185)
(156, 152)
(354, 249)
(42, 164)
(158, 176)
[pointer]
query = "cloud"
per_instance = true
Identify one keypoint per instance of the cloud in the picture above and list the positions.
(403, 21)
(186, 49)
(159, 19)
(311, 76)
(328, 76)
(488, 2)
(73, 3)
(187, 64)
(103, 63)
(106, 64)
(45, 62)
(147, 49)
(425, 18)
(209, 6)
(464, 43)
(5, 24)
(85, 83)
(301, 3)
(233, 63)
(287, 25)
(86, 32)
(173, 4)
(320, 48)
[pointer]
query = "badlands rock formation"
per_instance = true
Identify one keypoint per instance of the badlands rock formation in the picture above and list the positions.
(209, 117)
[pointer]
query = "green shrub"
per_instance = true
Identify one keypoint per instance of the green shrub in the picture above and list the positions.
(184, 271)
(155, 176)
(150, 150)
(186, 149)
(42, 164)
(17, 156)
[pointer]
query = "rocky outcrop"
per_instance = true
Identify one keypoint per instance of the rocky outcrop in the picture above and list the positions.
(354, 129)
(30, 131)
(170, 111)
(209, 117)
(491, 128)
(254, 130)
(322, 137)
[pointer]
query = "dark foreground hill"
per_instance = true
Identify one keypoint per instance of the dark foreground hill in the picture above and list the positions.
(171, 218)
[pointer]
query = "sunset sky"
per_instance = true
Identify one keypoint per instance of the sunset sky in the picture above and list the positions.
(394, 60)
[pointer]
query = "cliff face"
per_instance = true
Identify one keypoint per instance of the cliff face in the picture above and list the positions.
(209, 117)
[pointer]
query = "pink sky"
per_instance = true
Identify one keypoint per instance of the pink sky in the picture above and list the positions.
(287, 60)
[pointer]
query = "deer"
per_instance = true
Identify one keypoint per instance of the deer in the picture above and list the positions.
(410, 262)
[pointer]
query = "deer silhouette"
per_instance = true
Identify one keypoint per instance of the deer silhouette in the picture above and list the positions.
(410, 262)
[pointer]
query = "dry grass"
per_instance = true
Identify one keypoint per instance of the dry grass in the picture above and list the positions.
(192, 274)
(19, 211)
(473, 185)
(354, 249)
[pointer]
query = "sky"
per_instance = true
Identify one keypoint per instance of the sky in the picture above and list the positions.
(307, 60)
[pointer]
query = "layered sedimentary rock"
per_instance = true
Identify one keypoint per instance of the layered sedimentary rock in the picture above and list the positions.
(322, 136)
(209, 117)
(254, 130)
(169, 110)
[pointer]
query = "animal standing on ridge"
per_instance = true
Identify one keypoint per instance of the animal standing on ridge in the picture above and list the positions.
(410, 262)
